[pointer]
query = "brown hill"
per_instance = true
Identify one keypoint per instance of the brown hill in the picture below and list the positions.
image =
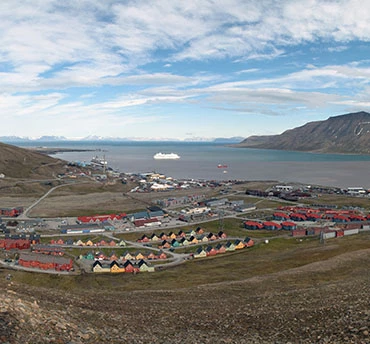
(18, 162)
(322, 302)
(349, 133)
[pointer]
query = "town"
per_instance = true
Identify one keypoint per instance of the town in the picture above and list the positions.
(171, 230)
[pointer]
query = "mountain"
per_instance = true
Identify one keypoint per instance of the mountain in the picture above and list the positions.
(14, 139)
(349, 133)
(94, 138)
(51, 138)
(234, 139)
(18, 162)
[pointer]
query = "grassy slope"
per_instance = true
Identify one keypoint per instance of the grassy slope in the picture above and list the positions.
(281, 254)
(17, 162)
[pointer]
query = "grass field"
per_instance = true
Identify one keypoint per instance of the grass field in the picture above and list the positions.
(280, 254)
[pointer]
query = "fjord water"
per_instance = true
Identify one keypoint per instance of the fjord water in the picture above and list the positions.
(200, 160)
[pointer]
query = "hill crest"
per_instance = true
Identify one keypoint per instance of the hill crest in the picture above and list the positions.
(16, 162)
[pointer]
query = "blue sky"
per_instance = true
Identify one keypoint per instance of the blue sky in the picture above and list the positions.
(170, 69)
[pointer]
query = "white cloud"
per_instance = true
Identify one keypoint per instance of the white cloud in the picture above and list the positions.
(82, 43)
(337, 49)
(90, 62)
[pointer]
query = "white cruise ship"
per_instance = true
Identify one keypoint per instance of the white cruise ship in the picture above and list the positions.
(166, 156)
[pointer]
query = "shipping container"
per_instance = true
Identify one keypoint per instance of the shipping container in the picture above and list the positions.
(350, 231)
(298, 232)
(364, 228)
(310, 232)
(329, 235)
(318, 230)
(352, 226)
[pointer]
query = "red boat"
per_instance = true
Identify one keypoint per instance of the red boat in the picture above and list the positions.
(221, 166)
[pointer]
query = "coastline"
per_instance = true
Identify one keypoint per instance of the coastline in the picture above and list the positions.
(200, 161)
(51, 151)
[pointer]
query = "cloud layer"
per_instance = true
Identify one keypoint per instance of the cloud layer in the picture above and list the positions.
(110, 67)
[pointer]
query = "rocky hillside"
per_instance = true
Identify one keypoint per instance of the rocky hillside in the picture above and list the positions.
(324, 302)
(348, 133)
(18, 162)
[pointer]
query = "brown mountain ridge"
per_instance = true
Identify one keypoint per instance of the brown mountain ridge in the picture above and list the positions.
(349, 133)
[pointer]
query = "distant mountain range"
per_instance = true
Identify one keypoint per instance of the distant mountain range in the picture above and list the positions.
(15, 139)
(349, 133)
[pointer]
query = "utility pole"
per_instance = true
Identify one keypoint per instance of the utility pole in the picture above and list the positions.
(322, 240)
(221, 220)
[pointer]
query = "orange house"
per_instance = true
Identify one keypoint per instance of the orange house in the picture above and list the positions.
(116, 268)
(239, 245)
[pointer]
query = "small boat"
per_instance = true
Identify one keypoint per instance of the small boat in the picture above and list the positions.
(221, 166)
(166, 156)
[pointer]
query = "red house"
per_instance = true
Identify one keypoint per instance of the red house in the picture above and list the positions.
(222, 235)
(220, 248)
(287, 225)
(144, 238)
(162, 255)
(45, 262)
(271, 225)
(12, 244)
(253, 225)
(297, 217)
(151, 256)
(199, 230)
(279, 216)
(211, 251)
(211, 236)
(248, 242)
(129, 267)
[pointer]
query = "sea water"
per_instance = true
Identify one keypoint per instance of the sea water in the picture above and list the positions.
(199, 160)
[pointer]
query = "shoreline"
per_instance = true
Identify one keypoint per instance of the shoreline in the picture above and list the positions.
(51, 151)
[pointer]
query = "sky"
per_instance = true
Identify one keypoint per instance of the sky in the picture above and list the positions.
(174, 69)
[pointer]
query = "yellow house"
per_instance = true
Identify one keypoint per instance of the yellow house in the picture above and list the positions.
(154, 238)
(204, 239)
(200, 253)
(89, 243)
(139, 256)
(230, 246)
(115, 268)
(144, 267)
(98, 267)
(192, 233)
(185, 242)
(128, 256)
